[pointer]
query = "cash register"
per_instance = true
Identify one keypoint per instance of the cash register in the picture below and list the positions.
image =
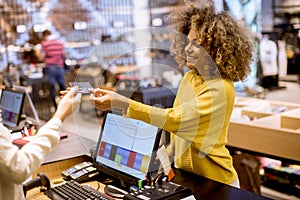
(126, 155)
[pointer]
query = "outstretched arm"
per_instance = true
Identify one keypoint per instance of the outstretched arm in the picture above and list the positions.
(17, 164)
(108, 100)
(68, 103)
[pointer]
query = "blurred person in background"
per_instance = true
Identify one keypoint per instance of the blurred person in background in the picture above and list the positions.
(53, 54)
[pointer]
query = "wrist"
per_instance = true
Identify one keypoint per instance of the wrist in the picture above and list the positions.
(123, 103)
(59, 116)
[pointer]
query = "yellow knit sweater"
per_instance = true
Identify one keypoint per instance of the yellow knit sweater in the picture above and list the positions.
(198, 123)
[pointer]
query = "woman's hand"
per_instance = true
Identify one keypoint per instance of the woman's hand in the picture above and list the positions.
(64, 92)
(107, 100)
(68, 103)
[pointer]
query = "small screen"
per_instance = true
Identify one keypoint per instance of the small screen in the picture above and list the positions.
(126, 145)
(11, 107)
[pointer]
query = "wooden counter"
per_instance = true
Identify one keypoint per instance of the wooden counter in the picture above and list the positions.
(202, 188)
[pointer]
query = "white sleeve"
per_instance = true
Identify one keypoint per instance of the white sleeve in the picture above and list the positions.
(16, 164)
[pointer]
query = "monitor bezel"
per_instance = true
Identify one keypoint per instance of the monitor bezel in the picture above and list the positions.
(127, 180)
(20, 111)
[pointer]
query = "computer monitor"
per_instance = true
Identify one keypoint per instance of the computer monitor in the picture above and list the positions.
(126, 149)
(11, 107)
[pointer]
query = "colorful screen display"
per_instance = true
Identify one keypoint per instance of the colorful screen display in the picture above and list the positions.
(126, 145)
(11, 107)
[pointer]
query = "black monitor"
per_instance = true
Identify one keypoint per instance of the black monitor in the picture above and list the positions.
(126, 149)
(11, 107)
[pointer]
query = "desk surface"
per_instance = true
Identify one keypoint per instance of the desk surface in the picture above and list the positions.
(202, 188)
(57, 162)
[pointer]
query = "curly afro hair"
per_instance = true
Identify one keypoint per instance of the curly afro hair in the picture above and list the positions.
(228, 41)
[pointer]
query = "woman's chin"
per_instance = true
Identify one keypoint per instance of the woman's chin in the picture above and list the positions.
(190, 65)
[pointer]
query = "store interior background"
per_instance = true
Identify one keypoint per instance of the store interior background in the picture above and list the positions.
(120, 44)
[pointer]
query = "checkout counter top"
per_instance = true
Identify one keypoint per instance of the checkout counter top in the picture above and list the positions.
(73, 150)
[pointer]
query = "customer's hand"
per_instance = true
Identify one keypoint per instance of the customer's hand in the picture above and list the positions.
(68, 103)
(107, 100)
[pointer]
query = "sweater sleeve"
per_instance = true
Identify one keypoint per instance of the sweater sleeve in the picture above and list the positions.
(197, 111)
(18, 164)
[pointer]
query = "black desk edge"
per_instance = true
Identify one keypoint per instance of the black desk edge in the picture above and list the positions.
(204, 188)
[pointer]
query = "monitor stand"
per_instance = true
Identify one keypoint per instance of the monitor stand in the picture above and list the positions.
(29, 109)
(114, 191)
(15, 129)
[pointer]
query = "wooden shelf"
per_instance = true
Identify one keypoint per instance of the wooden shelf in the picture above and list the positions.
(257, 128)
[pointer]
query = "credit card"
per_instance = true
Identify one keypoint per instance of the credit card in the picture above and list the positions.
(83, 87)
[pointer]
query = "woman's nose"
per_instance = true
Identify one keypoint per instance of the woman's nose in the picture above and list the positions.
(188, 47)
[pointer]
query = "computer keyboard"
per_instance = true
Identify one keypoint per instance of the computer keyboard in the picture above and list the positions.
(72, 190)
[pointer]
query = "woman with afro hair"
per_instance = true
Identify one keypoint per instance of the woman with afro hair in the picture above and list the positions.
(217, 50)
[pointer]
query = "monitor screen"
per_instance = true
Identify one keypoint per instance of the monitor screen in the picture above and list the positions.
(126, 148)
(11, 107)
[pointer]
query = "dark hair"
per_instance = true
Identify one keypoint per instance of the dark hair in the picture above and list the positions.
(227, 41)
(46, 33)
